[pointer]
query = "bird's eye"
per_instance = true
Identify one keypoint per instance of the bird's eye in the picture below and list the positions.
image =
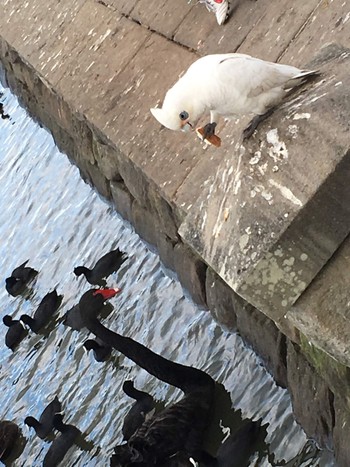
(184, 115)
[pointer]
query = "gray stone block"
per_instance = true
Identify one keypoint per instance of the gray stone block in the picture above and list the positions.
(92, 175)
(312, 400)
(106, 158)
(341, 432)
(164, 213)
(165, 247)
(221, 301)
(262, 334)
(322, 313)
(144, 223)
(122, 199)
(191, 272)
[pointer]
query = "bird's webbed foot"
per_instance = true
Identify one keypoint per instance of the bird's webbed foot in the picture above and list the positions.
(209, 130)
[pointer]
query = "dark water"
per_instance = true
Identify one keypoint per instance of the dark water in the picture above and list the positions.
(49, 216)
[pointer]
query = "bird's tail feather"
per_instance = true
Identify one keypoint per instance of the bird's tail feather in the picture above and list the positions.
(301, 78)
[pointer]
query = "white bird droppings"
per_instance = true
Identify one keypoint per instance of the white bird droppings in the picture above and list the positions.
(243, 241)
(256, 158)
(286, 193)
(267, 196)
(278, 150)
(301, 116)
(293, 130)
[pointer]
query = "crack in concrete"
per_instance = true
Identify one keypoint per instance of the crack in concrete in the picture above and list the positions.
(154, 31)
(130, 18)
(299, 31)
(250, 30)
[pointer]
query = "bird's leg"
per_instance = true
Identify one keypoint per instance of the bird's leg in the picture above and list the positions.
(255, 122)
(209, 128)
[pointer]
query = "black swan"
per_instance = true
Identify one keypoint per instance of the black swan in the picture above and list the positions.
(9, 433)
(43, 314)
(104, 267)
(179, 427)
(137, 414)
(20, 277)
(44, 426)
(101, 351)
(92, 303)
(61, 444)
(16, 332)
(236, 449)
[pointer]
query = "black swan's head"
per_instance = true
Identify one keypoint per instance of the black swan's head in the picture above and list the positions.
(7, 320)
(11, 281)
(31, 421)
(79, 270)
(128, 386)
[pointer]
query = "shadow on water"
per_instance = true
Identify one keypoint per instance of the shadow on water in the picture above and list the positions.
(49, 216)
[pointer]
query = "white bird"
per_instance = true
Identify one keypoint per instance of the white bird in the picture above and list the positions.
(228, 85)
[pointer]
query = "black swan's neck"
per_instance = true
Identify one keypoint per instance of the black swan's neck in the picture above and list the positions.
(82, 270)
(131, 391)
(28, 320)
(90, 344)
(33, 324)
(186, 378)
(33, 422)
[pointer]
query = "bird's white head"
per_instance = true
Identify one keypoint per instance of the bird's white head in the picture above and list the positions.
(172, 118)
(178, 110)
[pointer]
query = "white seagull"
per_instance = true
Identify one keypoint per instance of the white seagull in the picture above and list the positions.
(228, 85)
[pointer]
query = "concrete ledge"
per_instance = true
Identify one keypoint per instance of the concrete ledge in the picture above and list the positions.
(279, 206)
(323, 312)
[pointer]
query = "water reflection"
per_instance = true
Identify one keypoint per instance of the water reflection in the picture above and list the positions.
(49, 216)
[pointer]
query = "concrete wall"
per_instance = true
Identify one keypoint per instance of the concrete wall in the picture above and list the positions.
(278, 206)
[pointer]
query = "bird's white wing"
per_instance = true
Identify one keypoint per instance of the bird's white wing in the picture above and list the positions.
(251, 76)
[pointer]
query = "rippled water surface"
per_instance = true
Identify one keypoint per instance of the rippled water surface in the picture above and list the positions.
(51, 217)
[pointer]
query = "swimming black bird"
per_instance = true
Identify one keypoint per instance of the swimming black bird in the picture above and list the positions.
(43, 314)
(9, 433)
(179, 427)
(101, 351)
(138, 412)
(104, 267)
(44, 426)
(73, 319)
(91, 303)
(16, 332)
(236, 449)
(61, 444)
(20, 277)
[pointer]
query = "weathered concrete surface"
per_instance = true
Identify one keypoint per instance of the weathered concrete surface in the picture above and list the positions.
(316, 411)
(89, 71)
(276, 210)
(323, 312)
(341, 433)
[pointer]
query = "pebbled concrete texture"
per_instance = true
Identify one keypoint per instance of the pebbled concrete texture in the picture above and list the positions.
(265, 220)
(323, 312)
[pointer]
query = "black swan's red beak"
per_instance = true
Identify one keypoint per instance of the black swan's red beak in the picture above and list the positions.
(107, 293)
